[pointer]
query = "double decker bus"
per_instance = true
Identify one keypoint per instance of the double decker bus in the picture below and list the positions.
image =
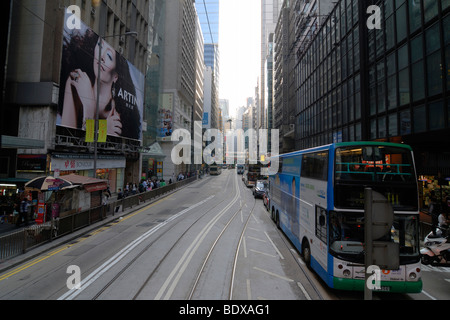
(317, 200)
(215, 170)
(253, 173)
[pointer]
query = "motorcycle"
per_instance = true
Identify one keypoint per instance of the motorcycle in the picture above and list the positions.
(436, 249)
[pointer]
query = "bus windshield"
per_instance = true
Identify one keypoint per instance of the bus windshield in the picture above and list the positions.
(347, 236)
(374, 163)
(388, 170)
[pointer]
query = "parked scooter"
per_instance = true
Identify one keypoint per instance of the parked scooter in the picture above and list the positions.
(436, 249)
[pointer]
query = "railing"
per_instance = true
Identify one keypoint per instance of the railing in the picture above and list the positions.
(19, 242)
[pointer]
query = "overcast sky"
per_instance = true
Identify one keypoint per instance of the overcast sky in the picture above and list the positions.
(240, 50)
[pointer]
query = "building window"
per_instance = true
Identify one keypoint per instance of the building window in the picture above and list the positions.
(434, 73)
(415, 15)
(392, 125)
(403, 82)
(405, 122)
(431, 9)
(418, 85)
(401, 23)
(420, 117)
(437, 121)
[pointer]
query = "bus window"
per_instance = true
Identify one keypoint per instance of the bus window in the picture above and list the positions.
(315, 166)
(370, 163)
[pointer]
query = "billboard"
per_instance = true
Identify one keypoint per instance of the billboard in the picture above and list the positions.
(121, 85)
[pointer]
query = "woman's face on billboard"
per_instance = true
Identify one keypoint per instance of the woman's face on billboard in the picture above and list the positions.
(108, 58)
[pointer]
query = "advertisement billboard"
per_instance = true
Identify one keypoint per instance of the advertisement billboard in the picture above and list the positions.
(121, 85)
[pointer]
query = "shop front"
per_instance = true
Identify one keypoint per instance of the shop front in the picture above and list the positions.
(433, 187)
(109, 168)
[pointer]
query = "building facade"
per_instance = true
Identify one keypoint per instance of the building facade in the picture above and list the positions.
(180, 80)
(389, 84)
(37, 84)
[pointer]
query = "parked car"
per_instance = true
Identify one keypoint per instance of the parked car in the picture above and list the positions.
(259, 189)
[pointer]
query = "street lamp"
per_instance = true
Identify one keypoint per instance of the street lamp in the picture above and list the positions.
(97, 107)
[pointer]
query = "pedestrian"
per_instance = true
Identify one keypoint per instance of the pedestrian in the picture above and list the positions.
(434, 212)
(119, 197)
(23, 213)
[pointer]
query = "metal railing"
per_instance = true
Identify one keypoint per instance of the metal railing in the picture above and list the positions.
(21, 241)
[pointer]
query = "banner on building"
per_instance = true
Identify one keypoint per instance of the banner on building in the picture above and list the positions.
(90, 128)
(122, 85)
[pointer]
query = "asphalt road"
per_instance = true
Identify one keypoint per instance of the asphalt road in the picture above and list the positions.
(208, 241)
(211, 240)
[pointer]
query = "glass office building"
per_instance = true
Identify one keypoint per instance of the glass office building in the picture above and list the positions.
(390, 84)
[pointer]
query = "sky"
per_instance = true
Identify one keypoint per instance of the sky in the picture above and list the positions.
(240, 50)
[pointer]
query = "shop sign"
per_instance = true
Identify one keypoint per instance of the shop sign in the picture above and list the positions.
(85, 164)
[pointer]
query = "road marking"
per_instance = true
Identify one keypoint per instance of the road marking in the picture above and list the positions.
(304, 291)
(275, 247)
(73, 293)
(256, 239)
(177, 272)
(428, 295)
(249, 290)
(245, 248)
(59, 250)
(273, 274)
(263, 253)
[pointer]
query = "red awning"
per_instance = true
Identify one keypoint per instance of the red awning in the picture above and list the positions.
(89, 184)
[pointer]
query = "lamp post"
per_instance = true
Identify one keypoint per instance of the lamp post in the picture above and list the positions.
(97, 107)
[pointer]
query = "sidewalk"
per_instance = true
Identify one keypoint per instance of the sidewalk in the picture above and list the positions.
(67, 239)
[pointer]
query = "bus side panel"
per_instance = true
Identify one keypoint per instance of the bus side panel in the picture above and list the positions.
(313, 198)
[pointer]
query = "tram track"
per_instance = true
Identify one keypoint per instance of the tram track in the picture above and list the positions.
(190, 252)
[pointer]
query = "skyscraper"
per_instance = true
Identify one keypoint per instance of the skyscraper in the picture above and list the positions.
(208, 14)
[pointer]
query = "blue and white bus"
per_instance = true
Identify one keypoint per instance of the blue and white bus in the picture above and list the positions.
(317, 199)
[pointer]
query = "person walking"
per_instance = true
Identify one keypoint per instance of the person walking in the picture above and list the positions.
(23, 213)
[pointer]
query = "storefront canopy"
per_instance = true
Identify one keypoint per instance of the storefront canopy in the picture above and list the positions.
(89, 184)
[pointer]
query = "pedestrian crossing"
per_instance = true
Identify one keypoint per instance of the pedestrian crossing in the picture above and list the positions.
(435, 269)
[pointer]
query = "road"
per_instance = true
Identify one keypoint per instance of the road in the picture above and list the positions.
(209, 241)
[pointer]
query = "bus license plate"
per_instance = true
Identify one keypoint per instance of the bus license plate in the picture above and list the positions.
(385, 289)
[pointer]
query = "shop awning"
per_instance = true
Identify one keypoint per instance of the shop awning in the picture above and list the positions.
(154, 151)
(89, 184)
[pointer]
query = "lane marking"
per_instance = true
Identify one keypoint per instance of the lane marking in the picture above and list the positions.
(274, 246)
(245, 248)
(59, 250)
(91, 278)
(304, 291)
(274, 274)
(249, 290)
(256, 239)
(428, 295)
(177, 272)
(263, 253)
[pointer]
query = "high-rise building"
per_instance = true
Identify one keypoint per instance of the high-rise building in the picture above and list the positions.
(49, 103)
(208, 13)
(181, 79)
(298, 22)
(270, 10)
(355, 83)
